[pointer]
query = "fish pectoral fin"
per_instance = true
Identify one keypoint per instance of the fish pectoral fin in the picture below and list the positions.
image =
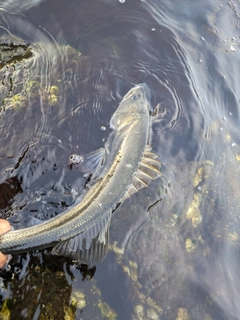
(92, 160)
(88, 247)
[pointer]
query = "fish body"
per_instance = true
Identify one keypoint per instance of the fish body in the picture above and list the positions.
(117, 176)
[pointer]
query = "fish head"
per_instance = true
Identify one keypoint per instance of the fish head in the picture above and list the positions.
(134, 105)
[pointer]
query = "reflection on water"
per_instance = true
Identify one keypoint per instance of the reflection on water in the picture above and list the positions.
(47, 282)
(8, 190)
(174, 246)
(12, 7)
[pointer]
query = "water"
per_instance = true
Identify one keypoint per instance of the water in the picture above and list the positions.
(175, 246)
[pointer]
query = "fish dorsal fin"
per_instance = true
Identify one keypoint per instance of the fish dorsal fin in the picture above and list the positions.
(148, 170)
(89, 246)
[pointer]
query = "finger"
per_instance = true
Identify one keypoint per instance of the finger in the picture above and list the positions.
(3, 259)
(4, 226)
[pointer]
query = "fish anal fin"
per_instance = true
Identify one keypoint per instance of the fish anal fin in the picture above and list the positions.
(152, 162)
(148, 171)
(138, 183)
(125, 197)
(141, 180)
(131, 190)
(152, 173)
(149, 154)
(88, 247)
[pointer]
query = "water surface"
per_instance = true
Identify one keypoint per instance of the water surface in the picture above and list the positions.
(175, 245)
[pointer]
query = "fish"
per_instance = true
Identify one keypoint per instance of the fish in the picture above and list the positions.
(121, 168)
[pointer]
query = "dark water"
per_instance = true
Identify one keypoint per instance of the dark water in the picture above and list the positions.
(177, 259)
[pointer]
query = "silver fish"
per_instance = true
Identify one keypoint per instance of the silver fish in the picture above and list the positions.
(124, 166)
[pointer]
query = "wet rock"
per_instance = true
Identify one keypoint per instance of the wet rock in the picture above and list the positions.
(68, 313)
(182, 314)
(152, 314)
(54, 95)
(106, 311)
(139, 310)
(16, 102)
(133, 267)
(77, 299)
(193, 211)
(190, 245)
(13, 49)
(5, 313)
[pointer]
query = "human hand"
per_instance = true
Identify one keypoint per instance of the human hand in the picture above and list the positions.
(4, 227)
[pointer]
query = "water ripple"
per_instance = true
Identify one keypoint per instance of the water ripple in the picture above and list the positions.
(84, 58)
(12, 7)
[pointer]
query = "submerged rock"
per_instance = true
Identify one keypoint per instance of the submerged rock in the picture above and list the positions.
(13, 49)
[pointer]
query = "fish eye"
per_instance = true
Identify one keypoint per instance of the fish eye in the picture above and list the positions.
(136, 96)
